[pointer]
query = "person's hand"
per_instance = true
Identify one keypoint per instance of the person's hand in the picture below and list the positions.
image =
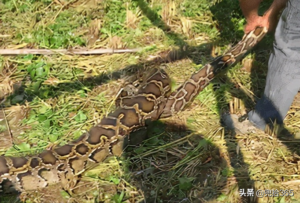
(267, 20)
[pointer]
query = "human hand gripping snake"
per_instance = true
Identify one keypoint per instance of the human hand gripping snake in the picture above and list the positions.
(149, 97)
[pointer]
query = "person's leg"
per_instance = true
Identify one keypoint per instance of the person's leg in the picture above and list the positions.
(283, 78)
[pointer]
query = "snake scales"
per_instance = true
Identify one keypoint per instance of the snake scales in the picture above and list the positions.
(149, 97)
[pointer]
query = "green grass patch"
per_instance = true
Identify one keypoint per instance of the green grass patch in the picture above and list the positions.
(181, 159)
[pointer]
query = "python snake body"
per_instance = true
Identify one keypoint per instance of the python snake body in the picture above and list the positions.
(149, 97)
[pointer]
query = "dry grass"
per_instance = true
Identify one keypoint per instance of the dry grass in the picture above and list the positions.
(50, 100)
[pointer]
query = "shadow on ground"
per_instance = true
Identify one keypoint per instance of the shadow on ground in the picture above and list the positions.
(258, 70)
(191, 168)
(168, 154)
(144, 166)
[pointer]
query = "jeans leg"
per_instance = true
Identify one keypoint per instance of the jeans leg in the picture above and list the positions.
(283, 78)
(281, 88)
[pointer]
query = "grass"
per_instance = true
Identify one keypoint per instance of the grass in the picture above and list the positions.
(51, 100)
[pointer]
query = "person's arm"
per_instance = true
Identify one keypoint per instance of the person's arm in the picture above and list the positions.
(250, 8)
(268, 20)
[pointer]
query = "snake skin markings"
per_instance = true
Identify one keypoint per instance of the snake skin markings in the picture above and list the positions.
(146, 97)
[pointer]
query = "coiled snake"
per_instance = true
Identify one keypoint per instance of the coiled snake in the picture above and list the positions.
(149, 97)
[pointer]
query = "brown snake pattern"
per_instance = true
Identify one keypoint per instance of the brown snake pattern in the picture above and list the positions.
(149, 97)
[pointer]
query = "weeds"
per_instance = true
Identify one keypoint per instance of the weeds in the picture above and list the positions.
(50, 100)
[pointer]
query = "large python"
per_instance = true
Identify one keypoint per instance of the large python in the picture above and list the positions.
(149, 97)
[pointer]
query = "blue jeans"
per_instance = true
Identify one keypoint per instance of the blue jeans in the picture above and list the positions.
(283, 78)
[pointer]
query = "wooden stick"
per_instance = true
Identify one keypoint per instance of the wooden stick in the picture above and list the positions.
(6, 52)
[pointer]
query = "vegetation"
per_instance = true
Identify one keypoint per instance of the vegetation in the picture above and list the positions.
(50, 100)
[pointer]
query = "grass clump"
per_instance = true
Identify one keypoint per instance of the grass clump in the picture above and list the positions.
(50, 100)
